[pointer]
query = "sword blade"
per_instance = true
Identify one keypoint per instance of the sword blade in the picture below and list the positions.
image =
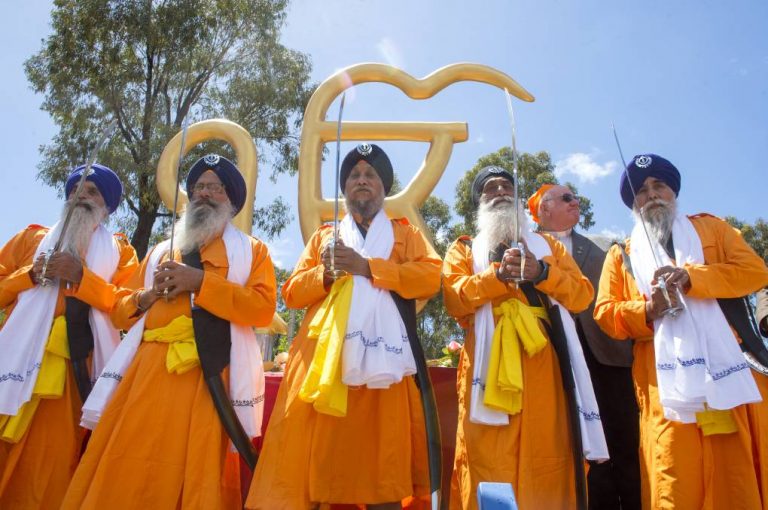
(184, 127)
(513, 124)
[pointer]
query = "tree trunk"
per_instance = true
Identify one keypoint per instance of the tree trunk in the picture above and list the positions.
(143, 232)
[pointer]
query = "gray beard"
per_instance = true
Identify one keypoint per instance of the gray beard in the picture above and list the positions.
(496, 223)
(658, 220)
(86, 216)
(365, 208)
(201, 222)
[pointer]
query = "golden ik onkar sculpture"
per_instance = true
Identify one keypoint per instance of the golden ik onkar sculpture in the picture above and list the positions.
(316, 131)
(247, 162)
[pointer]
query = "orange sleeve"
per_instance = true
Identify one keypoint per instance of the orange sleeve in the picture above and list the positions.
(250, 305)
(565, 281)
(123, 313)
(102, 294)
(16, 259)
(731, 269)
(305, 285)
(620, 308)
(463, 290)
(415, 271)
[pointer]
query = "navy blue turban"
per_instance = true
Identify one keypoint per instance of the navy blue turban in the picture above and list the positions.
(643, 166)
(228, 174)
(486, 173)
(106, 181)
(374, 156)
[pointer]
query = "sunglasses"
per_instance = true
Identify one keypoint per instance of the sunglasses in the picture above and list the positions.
(566, 197)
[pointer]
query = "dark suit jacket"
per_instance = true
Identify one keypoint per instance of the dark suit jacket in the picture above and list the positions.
(762, 310)
(589, 256)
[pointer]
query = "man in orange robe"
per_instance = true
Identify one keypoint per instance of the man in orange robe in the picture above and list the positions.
(683, 463)
(532, 448)
(37, 467)
(159, 442)
(376, 454)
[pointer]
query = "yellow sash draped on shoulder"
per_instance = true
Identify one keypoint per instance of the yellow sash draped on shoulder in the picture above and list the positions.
(517, 323)
(49, 384)
(180, 337)
(322, 386)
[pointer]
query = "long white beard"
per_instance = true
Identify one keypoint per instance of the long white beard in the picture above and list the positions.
(201, 223)
(496, 221)
(658, 220)
(86, 216)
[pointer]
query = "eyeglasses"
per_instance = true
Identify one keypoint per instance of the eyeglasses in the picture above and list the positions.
(565, 197)
(212, 187)
(493, 187)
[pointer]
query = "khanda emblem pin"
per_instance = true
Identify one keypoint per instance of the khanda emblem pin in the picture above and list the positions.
(316, 131)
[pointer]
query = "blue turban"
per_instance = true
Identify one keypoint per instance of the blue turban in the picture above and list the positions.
(228, 174)
(106, 181)
(485, 174)
(647, 165)
(374, 156)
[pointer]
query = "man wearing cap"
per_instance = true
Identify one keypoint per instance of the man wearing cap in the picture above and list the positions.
(57, 337)
(513, 420)
(616, 483)
(703, 413)
(158, 441)
(347, 426)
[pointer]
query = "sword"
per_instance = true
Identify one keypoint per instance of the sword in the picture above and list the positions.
(337, 273)
(517, 235)
(184, 126)
(102, 140)
(671, 311)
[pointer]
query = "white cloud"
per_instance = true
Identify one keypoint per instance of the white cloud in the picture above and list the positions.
(584, 167)
(389, 52)
(614, 234)
(283, 252)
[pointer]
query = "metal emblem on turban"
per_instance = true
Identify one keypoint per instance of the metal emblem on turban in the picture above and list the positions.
(364, 149)
(441, 136)
(496, 170)
(643, 161)
(212, 159)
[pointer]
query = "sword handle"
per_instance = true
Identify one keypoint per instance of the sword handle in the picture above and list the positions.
(44, 280)
(672, 310)
(520, 246)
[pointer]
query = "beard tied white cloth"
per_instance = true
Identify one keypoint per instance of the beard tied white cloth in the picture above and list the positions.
(594, 446)
(246, 373)
(376, 350)
(25, 334)
(698, 359)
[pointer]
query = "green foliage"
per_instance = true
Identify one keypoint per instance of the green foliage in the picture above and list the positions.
(151, 64)
(755, 235)
(292, 317)
(534, 170)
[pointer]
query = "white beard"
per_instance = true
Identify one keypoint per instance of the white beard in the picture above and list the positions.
(496, 221)
(658, 220)
(201, 223)
(86, 216)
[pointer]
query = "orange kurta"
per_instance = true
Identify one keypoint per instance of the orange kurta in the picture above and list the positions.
(680, 467)
(377, 453)
(159, 443)
(36, 471)
(533, 452)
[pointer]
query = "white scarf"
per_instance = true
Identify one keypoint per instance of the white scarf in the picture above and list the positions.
(376, 351)
(698, 359)
(23, 338)
(592, 436)
(246, 372)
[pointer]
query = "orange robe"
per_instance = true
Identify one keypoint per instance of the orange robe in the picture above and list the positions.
(159, 443)
(377, 453)
(36, 471)
(681, 468)
(533, 452)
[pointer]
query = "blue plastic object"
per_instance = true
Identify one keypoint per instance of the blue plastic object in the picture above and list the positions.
(496, 496)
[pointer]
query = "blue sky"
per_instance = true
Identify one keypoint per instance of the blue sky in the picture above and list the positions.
(685, 79)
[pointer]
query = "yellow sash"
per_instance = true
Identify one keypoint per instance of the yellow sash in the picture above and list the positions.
(517, 323)
(180, 337)
(322, 386)
(715, 421)
(49, 384)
